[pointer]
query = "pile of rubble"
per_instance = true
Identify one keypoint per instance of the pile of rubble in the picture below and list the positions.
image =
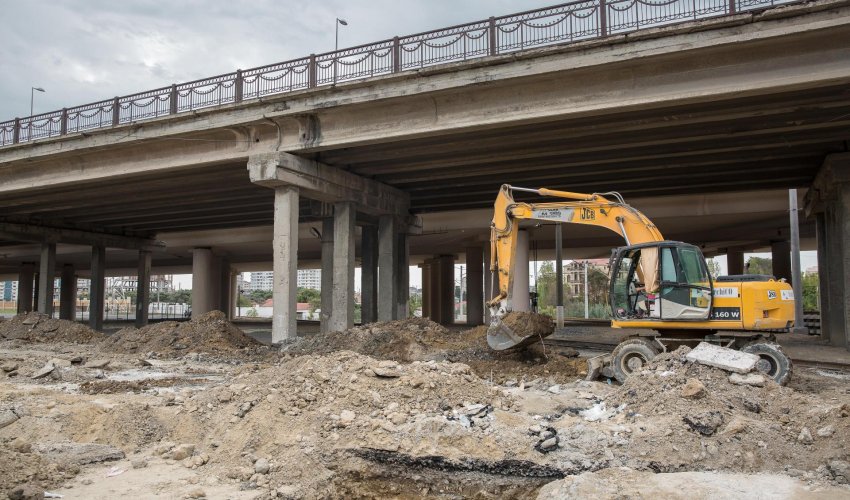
(686, 415)
(37, 327)
(212, 334)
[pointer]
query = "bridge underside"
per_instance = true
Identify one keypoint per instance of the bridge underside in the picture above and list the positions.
(704, 131)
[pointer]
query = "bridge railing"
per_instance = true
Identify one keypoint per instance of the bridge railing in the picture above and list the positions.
(570, 22)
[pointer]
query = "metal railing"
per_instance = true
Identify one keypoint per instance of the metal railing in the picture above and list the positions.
(566, 23)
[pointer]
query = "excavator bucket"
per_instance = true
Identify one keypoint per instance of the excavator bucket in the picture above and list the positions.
(518, 329)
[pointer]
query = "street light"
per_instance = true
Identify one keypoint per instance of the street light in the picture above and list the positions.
(32, 96)
(338, 22)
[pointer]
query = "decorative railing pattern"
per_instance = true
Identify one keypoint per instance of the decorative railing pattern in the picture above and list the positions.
(570, 22)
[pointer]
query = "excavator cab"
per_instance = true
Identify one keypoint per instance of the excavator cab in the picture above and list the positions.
(660, 281)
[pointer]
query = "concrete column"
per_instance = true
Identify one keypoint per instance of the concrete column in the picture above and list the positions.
(203, 278)
(426, 288)
(521, 300)
(234, 293)
(474, 286)
(559, 277)
(823, 262)
(434, 292)
(342, 310)
(68, 293)
(25, 287)
(780, 254)
(285, 259)
(369, 274)
(97, 289)
(327, 290)
(734, 261)
(402, 274)
(796, 274)
(225, 292)
(143, 288)
(46, 275)
(445, 288)
(387, 263)
(489, 291)
(835, 274)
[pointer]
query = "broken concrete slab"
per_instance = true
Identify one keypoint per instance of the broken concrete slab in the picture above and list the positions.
(723, 358)
(96, 363)
(79, 453)
(60, 363)
(753, 379)
(7, 418)
(44, 371)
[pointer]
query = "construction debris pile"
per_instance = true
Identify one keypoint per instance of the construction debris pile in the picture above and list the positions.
(37, 327)
(212, 334)
(399, 418)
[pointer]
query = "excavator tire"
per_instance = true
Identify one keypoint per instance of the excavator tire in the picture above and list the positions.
(630, 356)
(773, 363)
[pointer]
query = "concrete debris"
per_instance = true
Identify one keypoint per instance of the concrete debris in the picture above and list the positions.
(753, 379)
(706, 423)
(805, 436)
(693, 389)
(78, 453)
(723, 358)
(8, 417)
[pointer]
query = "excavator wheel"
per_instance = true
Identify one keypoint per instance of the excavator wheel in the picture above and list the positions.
(632, 355)
(773, 363)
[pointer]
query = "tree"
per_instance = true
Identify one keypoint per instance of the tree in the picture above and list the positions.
(414, 303)
(260, 296)
(759, 265)
(310, 296)
(713, 268)
(811, 284)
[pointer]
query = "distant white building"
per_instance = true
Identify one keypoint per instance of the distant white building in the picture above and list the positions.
(9, 290)
(263, 280)
(310, 278)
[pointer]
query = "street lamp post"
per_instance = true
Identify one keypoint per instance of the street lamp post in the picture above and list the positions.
(32, 96)
(336, 40)
(336, 43)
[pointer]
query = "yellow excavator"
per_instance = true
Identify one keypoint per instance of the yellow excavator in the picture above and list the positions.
(660, 286)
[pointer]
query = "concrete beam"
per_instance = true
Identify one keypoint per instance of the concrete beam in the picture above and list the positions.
(143, 288)
(27, 232)
(68, 293)
(325, 183)
(285, 263)
(46, 275)
(26, 277)
(97, 290)
(342, 312)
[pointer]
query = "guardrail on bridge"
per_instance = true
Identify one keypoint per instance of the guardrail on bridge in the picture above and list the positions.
(566, 23)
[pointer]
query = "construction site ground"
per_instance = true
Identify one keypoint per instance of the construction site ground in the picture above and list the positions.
(405, 409)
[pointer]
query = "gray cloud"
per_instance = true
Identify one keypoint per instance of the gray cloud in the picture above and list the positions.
(86, 50)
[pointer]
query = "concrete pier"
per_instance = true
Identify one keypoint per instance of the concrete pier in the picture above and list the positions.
(68, 293)
(521, 300)
(369, 274)
(143, 288)
(342, 312)
(26, 277)
(285, 263)
(46, 275)
(388, 255)
(97, 290)
(474, 286)
(327, 273)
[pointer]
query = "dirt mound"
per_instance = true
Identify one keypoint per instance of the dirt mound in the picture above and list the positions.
(415, 339)
(707, 415)
(211, 333)
(36, 327)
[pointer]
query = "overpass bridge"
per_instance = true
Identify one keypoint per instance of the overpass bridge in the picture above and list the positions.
(702, 114)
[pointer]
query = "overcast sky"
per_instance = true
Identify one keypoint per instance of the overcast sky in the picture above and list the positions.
(81, 51)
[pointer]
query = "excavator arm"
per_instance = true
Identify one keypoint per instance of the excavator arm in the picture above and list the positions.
(588, 209)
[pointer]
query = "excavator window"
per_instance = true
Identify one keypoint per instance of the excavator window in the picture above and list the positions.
(664, 282)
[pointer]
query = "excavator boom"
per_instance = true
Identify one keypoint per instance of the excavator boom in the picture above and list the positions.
(588, 209)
